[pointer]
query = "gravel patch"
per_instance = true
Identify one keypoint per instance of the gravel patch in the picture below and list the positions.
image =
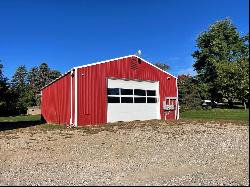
(137, 153)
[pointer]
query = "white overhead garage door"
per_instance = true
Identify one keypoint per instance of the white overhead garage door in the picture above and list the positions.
(130, 100)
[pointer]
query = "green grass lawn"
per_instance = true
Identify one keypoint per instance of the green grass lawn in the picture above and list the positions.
(213, 114)
(217, 114)
(22, 121)
(20, 118)
(13, 122)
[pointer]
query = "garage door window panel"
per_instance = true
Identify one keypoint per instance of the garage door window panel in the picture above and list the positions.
(126, 99)
(113, 91)
(140, 92)
(113, 99)
(151, 100)
(140, 99)
(151, 92)
(126, 91)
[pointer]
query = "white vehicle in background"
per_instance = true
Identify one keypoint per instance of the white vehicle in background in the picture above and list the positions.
(208, 104)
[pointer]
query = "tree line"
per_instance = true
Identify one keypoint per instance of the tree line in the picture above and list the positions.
(23, 90)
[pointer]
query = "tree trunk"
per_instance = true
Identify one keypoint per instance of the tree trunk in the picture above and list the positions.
(245, 106)
(230, 103)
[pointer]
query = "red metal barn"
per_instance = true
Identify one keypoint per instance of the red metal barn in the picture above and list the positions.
(122, 89)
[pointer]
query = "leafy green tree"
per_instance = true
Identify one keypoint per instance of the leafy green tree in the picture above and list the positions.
(43, 75)
(243, 75)
(162, 66)
(191, 92)
(38, 77)
(33, 77)
(53, 74)
(221, 61)
(3, 91)
(46, 75)
(33, 85)
(243, 84)
(24, 88)
(19, 79)
(8, 98)
(3, 81)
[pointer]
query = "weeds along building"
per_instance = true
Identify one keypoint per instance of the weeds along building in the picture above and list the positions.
(122, 89)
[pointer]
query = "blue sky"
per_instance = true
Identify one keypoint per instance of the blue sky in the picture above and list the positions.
(68, 33)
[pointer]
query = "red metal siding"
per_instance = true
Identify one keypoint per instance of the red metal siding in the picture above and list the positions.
(92, 86)
(55, 105)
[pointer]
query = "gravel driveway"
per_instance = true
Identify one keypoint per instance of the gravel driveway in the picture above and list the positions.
(136, 153)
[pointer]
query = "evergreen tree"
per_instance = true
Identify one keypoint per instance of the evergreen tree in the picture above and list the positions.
(20, 88)
(45, 76)
(38, 78)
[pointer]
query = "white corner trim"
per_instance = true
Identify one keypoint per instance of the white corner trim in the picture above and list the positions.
(76, 112)
(158, 100)
(177, 101)
(71, 104)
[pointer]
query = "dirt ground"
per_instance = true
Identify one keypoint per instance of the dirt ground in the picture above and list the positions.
(136, 153)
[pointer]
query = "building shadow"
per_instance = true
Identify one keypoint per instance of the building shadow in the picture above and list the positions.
(19, 124)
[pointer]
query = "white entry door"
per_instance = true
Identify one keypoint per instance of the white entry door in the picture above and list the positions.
(130, 100)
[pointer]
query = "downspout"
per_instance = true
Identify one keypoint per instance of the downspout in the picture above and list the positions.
(76, 112)
(177, 101)
(71, 102)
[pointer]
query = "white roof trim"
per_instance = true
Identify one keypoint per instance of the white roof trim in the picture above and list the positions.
(101, 62)
(57, 78)
(155, 66)
(105, 61)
